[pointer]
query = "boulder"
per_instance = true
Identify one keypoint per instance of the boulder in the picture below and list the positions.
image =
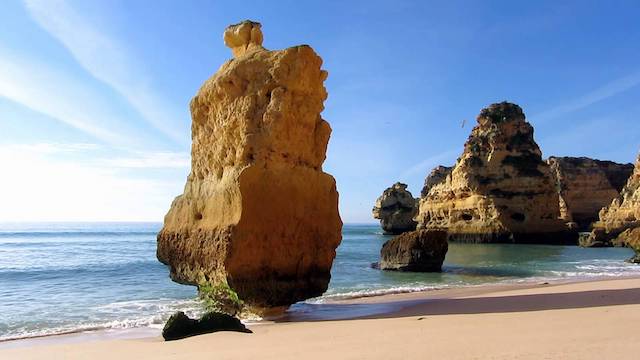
(500, 190)
(180, 326)
(257, 212)
(396, 209)
(586, 186)
(622, 214)
(420, 251)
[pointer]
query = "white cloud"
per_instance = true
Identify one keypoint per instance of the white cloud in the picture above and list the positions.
(108, 60)
(36, 187)
(58, 95)
(429, 163)
(604, 92)
(158, 160)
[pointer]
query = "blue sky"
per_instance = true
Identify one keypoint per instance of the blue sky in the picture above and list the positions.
(94, 121)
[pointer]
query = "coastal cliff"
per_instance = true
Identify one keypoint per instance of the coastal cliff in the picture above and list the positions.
(500, 189)
(586, 186)
(258, 213)
(436, 176)
(623, 213)
(396, 208)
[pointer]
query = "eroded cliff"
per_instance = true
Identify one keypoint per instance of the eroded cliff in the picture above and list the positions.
(500, 190)
(257, 212)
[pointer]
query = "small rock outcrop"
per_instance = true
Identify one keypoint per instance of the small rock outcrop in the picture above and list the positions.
(257, 212)
(500, 190)
(420, 251)
(180, 326)
(623, 213)
(631, 239)
(396, 209)
(586, 186)
(437, 176)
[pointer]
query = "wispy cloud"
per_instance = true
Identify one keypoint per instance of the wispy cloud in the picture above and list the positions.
(109, 61)
(60, 96)
(429, 163)
(157, 160)
(604, 92)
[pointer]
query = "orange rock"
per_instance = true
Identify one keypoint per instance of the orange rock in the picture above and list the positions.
(257, 210)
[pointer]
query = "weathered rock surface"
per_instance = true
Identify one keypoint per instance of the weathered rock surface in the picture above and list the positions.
(631, 239)
(437, 176)
(500, 190)
(180, 326)
(623, 213)
(586, 186)
(257, 212)
(396, 208)
(420, 250)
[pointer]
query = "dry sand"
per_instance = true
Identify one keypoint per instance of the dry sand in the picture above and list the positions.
(589, 320)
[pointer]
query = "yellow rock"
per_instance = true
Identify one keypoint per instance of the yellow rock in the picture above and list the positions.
(257, 210)
(500, 190)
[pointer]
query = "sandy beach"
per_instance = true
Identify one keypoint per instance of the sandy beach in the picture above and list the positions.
(587, 320)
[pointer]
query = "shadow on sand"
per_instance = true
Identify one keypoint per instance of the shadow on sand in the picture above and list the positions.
(473, 305)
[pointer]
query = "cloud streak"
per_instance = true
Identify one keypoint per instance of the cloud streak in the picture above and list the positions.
(427, 164)
(108, 60)
(608, 90)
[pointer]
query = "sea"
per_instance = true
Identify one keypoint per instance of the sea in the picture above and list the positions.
(58, 278)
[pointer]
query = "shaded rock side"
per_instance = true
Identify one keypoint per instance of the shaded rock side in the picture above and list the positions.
(500, 190)
(437, 176)
(180, 326)
(586, 186)
(623, 213)
(257, 212)
(396, 208)
(420, 251)
(631, 239)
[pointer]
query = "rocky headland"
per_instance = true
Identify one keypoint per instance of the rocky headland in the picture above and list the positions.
(258, 213)
(500, 189)
(622, 214)
(586, 186)
(437, 176)
(395, 209)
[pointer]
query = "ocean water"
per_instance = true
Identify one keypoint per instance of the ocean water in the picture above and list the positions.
(65, 277)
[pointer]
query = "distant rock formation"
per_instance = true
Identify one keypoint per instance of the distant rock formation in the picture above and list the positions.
(257, 212)
(500, 190)
(623, 213)
(420, 250)
(437, 176)
(396, 209)
(586, 186)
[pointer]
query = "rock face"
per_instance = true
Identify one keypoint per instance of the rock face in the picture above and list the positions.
(623, 213)
(500, 190)
(631, 238)
(257, 212)
(420, 250)
(396, 209)
(586, 186)
(437, 176)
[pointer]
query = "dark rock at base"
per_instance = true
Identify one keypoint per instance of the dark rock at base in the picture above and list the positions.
(631, 239)
(180, 326)
(419, 251)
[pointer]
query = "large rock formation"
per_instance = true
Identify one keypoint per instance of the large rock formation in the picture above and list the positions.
(623, 213)
(437, 176)
(631, 238)
(420, 250)
(396, 209)
(257, 212)
(500, 190)
(586, 186)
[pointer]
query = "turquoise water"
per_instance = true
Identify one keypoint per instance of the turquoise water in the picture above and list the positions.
(57, 278)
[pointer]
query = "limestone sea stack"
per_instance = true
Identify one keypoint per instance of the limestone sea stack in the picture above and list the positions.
(396, 208)
(586, 186)
(437, 176)
(257, 212)
(417, 251)
(500, 190)
(623, 213)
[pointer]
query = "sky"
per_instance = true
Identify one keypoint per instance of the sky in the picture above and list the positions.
(94, 119)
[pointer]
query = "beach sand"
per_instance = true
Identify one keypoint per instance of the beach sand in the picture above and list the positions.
(587, 320)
